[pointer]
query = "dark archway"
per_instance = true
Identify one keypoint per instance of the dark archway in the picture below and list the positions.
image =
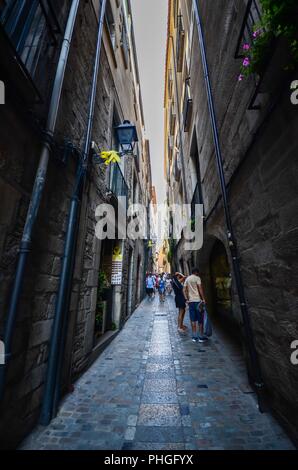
(221, 281)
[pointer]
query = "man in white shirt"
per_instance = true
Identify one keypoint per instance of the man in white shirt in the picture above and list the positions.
(194, 295)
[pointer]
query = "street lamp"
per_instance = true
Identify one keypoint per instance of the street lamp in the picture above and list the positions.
(127, 136)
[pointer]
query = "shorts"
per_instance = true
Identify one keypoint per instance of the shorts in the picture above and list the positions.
(195, 313)
(161, 290)
(150, 290)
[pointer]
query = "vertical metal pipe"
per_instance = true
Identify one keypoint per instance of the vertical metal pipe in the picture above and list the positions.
(253, 356)
(37, 192)
(57, 346)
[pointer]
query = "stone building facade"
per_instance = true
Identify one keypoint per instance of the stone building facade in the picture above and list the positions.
(97, 309)
(258, 133)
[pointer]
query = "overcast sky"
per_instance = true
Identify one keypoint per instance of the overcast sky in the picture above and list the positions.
(150, 24)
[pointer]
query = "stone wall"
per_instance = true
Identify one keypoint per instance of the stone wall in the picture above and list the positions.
(19, 153)
(259, 149)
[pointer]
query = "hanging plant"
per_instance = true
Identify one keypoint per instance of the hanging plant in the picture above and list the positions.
(279, 20)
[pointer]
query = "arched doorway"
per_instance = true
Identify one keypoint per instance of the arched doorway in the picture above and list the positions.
(221, 282)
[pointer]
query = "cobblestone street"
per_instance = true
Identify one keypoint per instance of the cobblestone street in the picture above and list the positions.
(154, 389)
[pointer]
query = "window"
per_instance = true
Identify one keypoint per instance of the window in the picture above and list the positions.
(111, 24)
(187, 106)
(196, 175)
(170, 82)
(125, 44)
(180, 43)
(172, 119)
(32, 27)
(175, 12)
(251, 19)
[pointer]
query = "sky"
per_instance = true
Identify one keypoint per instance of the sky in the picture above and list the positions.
(150, 25)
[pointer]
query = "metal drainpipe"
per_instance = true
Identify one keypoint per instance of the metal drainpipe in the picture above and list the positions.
(253, 356)
(37, 192)
(179, 120)
(51, 395)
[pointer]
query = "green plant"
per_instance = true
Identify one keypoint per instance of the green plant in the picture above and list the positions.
(278, 20)
(103, 284)
(170, 254)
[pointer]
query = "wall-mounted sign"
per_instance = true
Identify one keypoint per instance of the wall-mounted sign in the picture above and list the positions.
(117, 260)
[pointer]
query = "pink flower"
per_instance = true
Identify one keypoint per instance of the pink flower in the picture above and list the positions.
(246, 62)
(241, 77)
(257, 33)
(246, 47)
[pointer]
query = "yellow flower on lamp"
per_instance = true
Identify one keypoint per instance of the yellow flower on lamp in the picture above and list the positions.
(110, 156)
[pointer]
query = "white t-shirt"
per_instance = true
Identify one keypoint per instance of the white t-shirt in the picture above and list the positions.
(192, 283)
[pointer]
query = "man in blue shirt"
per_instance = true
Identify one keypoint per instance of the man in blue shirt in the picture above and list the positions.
(150, 284)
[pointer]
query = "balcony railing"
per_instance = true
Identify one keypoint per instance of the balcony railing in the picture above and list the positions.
(180, 43)
(33, 30)
(187, 106)
(118, 184)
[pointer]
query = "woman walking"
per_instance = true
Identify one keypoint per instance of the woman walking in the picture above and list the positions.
(178, 284)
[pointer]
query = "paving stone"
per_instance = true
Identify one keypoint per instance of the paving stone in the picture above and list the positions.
(149, 397)
(159, 434)
(153, 389)
(159, 415)
(162, 385)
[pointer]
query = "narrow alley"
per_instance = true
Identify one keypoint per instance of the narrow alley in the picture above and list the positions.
(154, 389)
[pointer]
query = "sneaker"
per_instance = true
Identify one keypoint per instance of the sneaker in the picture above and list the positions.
(194, 340)
(202, 340)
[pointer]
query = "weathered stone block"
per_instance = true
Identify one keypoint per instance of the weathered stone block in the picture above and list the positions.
(286, 246)
(47, 284)
(41, 332)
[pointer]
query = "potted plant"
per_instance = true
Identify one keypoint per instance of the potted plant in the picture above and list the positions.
(275, 39)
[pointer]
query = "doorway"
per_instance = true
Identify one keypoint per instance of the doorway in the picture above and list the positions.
(130, 282)
(221, 282)
(104, 305)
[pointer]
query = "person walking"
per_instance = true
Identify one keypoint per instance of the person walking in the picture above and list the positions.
(169, 284)
(177, 283)
(161, 288)
(195, 297)
(150, 284)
